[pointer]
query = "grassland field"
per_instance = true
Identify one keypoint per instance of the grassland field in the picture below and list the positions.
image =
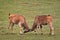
(29, 9)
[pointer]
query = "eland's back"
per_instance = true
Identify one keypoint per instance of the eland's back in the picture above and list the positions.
(44, 19)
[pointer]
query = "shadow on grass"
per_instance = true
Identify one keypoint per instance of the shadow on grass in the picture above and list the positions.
(7, 33)
(27, 34)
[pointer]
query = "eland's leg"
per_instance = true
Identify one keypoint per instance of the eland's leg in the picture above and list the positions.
(51, 28)
(41, 29)
(21, 28)
(12, 24)
(35, 28)
(9, 25)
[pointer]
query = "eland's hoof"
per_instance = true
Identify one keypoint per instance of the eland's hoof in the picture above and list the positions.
(21, 33)
(41, 33)
(51, 34)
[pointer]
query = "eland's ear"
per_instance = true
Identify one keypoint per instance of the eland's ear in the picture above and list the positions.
(48, 15)
(9, 14)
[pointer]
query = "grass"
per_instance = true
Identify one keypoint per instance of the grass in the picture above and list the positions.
(29, 9)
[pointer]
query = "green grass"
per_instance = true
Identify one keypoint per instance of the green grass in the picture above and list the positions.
(29, 9)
